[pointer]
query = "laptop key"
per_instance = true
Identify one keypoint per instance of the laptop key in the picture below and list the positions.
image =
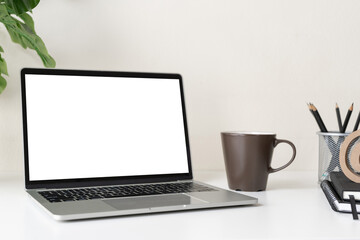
(65, 195)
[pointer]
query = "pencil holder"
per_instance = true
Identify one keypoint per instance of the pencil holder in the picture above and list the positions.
(329, 149)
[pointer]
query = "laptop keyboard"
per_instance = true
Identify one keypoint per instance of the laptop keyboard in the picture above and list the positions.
(78, 194)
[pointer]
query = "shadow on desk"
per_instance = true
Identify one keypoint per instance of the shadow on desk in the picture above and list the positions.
(292, 183)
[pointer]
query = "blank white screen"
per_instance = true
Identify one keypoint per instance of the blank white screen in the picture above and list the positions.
(87, 127)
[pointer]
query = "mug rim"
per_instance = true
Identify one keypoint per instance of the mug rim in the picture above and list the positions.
(249, 133)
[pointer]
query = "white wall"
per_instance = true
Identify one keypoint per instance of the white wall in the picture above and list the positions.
(247, 64)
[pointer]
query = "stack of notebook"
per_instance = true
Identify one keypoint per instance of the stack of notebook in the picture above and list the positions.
(342, 194)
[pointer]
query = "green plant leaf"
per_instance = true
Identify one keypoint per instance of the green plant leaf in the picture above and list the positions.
(24, 34)
(3, 70)
(3, 84)
(3, 66)
(15, 37)
(21, 6)
(29, 22)
(20, 25)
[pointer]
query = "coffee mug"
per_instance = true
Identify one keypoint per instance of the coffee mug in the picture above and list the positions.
(248, 158)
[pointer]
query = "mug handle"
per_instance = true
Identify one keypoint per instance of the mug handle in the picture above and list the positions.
(277, 141)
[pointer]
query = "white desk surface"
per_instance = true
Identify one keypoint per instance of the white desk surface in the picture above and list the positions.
(292, 207)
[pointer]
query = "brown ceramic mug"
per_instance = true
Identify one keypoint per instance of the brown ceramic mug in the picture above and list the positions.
(248, 157)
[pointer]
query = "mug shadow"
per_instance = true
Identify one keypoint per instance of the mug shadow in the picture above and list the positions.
(289, 184)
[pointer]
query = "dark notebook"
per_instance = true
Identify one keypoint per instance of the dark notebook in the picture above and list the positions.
(336, 203)
(344, 186)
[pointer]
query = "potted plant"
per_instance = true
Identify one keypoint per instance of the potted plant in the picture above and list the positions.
(16, 16)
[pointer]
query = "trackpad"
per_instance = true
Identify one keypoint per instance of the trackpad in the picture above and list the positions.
(149, 201)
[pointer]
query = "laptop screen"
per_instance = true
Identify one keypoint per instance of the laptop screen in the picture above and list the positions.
(88, 125)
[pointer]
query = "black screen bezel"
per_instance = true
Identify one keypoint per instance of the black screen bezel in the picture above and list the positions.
(68, 183)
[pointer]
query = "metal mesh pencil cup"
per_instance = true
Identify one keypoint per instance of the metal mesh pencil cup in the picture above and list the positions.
(329, 149)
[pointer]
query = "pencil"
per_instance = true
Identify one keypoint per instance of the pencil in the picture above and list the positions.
(357, 122)
(338, 117)
(312, 112)
(318, 118)
(347, 118)
(310, 108)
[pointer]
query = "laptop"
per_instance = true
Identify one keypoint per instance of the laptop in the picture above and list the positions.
(104, 143)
